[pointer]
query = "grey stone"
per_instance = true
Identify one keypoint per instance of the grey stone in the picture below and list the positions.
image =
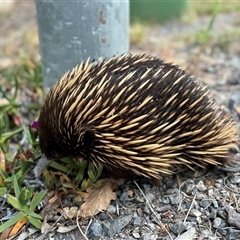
(233, 234)
(148, 237)
(137, 221)
(124, 197)
(212, 238)
(177, 227)
(112, 209)
(172, 196)
(140, 199)
(146, 209)
(223, 231)
(163, 208)
(171, 191)
(136, 234)
(175, 199)
(205, 203)
(233, 217)
(201, 186)
(96, 228)
(165, 200)
(112, 226)
(216, 222)
(213, 213)
(218, 185)
(222, 214)
(151, 226)
(189, 234)
(215, 204)
(190, 188)
(150, 197)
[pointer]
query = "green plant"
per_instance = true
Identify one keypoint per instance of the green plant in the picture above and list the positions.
(74, 174)
(25, 201)
(8, 109)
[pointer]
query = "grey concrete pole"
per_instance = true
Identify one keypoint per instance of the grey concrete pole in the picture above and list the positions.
(72, 31)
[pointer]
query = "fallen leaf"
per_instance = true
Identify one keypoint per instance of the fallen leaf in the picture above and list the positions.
(46, 228)
(2, 161)
(99, 198)
(5, 234)
(130, 193)
(65, 229)
(18, 226)
(69, 213)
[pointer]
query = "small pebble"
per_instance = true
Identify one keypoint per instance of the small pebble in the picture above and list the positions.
(151, 226)
(216, 222)
(215, 204)
(146, 210)
(189, 187)
(149, 237)
(96, 228)
(213, 213)
(196, 213)
(201, 187)
(124, 197)
(150, 197)
(210, 192)
(165, 200)
(188, 235)
(112, 209)
(113, 226)
(140, 199)
(223, 231)
(178, 227)
(233, 234)
(136, 234)
(222, 214)
(163, 208)
(137, 221)
(205, 203)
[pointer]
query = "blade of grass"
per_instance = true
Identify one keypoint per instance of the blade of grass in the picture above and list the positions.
(37, 199)
(12, 221)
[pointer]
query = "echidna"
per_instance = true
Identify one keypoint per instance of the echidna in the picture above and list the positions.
(134, 114)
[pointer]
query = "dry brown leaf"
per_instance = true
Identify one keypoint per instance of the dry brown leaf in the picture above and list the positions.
(20, 223)
(130, 193)
(65, 229)
(69, 213)
(5, 234)
(2, 161)
(99, 198)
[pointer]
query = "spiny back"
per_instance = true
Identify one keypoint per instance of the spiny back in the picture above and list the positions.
(134, 114)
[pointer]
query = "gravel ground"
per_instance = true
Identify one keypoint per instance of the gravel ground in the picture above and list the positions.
(187, 205)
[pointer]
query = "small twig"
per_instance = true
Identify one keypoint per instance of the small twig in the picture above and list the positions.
(117, 209)
(50, 229)
(152, 210)
(83, 234)
(190, 208)
(179, 192)
(89, 224)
